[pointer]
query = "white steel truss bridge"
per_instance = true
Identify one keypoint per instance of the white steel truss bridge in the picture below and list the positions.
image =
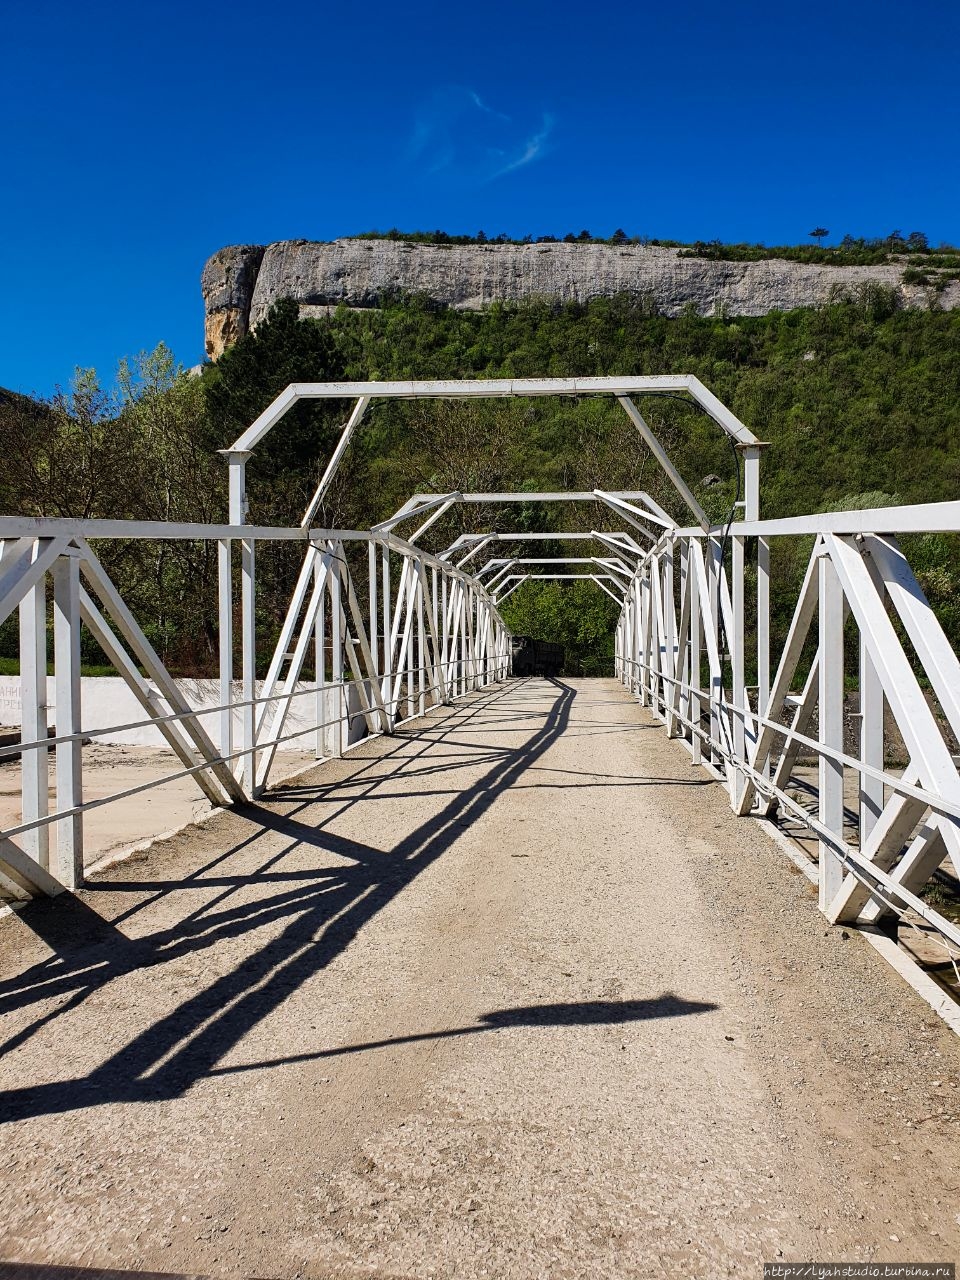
(763, 714)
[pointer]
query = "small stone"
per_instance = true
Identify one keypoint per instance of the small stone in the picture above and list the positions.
(895, 1239)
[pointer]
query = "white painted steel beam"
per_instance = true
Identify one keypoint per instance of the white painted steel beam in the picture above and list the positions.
(431, 520)
(336, 458)
(929, 517)
(66, 656)
(661, 455)
(496, 388)
(625, 512)
(417, 505)
(500, 599)
(602, 584)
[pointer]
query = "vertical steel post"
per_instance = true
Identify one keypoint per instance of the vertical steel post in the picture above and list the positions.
(693, 711)
(225, 608)
(320, 660)
(831, 725)
(763, 637)
(472, 633)
(640, 640)
(411, 643)
(751, 476)
(237, 462)
(35, 788)
(340, 697)
(668, 662)
(66, 656)
(373, 622)
(444, 640)
(679, 693)
(871, 742)
(421, 651)
(491, 668)
(738, 694)
(386, 669)
(434, 606)
(461, 653)
(249, 661)
(714, 570)
(636, 640)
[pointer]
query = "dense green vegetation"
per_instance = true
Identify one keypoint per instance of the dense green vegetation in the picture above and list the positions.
(852, 251)
(860, 402)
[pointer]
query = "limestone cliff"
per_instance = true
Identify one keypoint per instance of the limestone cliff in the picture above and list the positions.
(227, 282)
(240, 283)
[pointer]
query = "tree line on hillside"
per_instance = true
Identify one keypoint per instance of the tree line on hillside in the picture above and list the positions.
(849, 251)
(860, 401)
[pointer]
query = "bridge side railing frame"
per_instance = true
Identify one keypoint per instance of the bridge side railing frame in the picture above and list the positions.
(680, 646)
(427, 633)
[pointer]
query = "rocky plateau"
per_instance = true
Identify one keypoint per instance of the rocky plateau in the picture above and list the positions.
(241, 282)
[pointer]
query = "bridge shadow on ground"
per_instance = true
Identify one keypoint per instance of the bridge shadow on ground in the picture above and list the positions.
(315, 913)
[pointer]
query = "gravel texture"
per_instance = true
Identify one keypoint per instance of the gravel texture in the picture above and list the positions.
(512, 994)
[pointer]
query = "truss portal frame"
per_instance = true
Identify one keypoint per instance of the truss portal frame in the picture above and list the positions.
(426, 629)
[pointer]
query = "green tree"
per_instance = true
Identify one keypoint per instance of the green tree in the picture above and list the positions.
(248, 377)
(67, 456)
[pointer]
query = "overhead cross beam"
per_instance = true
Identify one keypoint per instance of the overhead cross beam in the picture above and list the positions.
(364, 393)
(496, 388)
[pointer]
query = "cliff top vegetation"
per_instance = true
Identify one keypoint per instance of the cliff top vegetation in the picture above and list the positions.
(913, 248)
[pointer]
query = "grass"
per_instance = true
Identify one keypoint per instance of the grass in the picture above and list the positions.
(11, 667)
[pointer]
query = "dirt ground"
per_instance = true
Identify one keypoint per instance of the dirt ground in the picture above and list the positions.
(514, 996)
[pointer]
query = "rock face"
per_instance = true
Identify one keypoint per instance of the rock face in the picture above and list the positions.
(227, 282)
(242, 282)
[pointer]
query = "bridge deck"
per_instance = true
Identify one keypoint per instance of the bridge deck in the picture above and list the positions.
(515, 995)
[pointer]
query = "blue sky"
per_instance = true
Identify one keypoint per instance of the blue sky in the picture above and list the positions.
(139, 139)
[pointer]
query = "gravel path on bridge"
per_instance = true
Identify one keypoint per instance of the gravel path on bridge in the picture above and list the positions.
(513, 997)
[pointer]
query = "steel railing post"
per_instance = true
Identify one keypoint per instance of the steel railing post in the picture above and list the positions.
(736, 643)
(871, 742)
(830, 808)
(66, 657)
(340, 705)
(320, 668)
(225, 639)
(35, 788)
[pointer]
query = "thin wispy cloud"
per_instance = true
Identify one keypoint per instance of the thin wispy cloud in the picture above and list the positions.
(478, 102)
(458, 135)
(534, 148)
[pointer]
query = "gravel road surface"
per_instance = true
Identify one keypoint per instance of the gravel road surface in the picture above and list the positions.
(512, 994)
